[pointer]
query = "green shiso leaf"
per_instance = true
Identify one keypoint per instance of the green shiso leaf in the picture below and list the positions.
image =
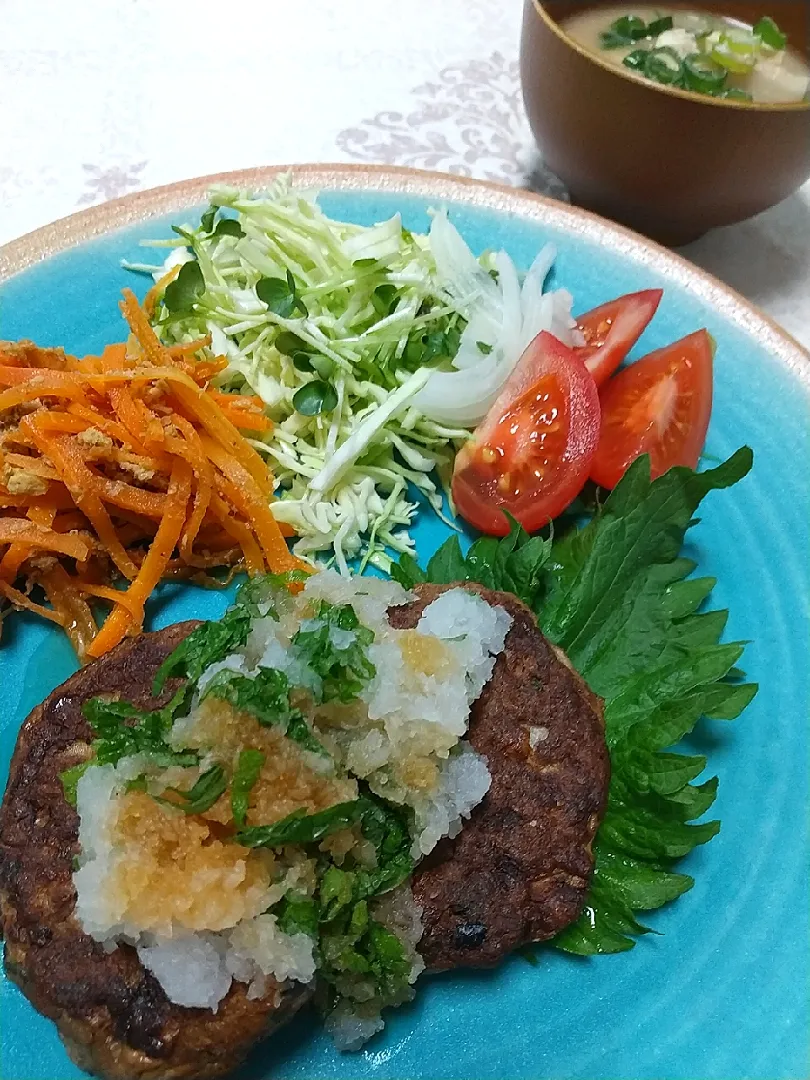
(334, 645)
(204, 646)
(121, 730)
(202, 795)
(248, 767)
(265, 695)
(302, 828)
(617, 596)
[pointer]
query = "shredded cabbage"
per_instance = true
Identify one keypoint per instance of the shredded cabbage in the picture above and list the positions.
(413, 335)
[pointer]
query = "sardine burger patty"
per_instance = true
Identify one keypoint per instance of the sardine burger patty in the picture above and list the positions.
(518, 872)
(520, 869)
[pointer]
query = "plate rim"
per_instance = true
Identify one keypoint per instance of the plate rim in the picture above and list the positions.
(41, 244)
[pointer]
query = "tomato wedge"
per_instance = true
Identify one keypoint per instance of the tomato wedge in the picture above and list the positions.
(611, 330)
(531, 454)
(658, 406)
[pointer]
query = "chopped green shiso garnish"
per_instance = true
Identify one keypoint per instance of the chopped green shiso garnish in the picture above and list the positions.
(202, 795)
(248, 766)
(354, 951)
(265, 695)
(352, 946)
(343, 670)
(618, 598)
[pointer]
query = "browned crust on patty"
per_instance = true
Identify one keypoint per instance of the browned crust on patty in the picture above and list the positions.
(520, 869)
(112, 1014)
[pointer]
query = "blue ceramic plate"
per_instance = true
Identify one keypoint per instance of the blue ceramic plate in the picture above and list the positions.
(723, 992)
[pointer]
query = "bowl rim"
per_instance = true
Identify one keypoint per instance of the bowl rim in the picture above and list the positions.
(671, 91)
(139, 207)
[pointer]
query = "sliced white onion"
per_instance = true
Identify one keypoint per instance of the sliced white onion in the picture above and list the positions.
(507, 319)
(481, 328)
(459, 273)
(462, 398)
(563, 323)
(511, 310)
(534, 304)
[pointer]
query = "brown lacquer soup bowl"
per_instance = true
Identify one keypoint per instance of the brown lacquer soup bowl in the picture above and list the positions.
(668, 162)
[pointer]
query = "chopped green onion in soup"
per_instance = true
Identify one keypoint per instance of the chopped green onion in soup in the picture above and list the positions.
(705, 54)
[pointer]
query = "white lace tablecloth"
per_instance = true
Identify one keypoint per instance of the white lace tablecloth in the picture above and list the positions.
(108, 96)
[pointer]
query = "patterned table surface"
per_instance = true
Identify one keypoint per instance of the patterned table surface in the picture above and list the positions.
(108, 96)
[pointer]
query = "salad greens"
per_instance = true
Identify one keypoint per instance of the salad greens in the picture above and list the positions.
(342, 330)
(186, 289)
(618, 597)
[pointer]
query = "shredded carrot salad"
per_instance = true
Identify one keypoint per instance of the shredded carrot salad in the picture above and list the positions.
(121, 470)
